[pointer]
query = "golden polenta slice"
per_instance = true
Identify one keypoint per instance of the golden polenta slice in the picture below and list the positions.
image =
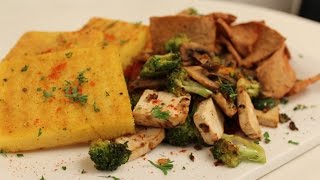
(63, 98)
(130, 37)
(35, 42)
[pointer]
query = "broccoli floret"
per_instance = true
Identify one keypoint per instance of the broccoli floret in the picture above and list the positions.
(173, 44)
(183, 134)
(231, 150)
(179, 84)
(159, 65)
(108, 155)
(251, 86)
(264, 104)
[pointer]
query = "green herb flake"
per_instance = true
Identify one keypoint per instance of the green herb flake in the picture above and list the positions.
(20, 155)
(64, 168)
(293, 142)
(111, 177)
(39, 132)
(283, 118)
(69, 54)
(266, 137)
(95, 108)
(183, 168)
(228, 90)
(42, 78)
(3, 152)
(53, 89)
(158, 113)
(64, 129)
(192, 11)
(163, 167)
(47, 94)
(39, 89)
(284, 101)
(81, 78)
(122, 42)
(300, 107)
(25, 68)
(42, 178)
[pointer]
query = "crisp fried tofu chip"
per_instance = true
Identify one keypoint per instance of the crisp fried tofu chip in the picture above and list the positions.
(63, 98)
(199, 29)
(276, 75)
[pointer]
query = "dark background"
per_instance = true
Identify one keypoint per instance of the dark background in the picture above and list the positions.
(310, 9)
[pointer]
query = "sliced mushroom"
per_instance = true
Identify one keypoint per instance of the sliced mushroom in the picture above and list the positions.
(145, 139)
(227, 107)
(209, 121)
(146, 84)
(199, 74)
(247, 118)
(269, 118)
(161, 109)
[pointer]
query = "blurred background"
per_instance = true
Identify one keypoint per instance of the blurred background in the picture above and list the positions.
(306, 8)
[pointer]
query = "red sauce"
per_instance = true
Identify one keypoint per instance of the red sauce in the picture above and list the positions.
(56, 71)
(109, 37)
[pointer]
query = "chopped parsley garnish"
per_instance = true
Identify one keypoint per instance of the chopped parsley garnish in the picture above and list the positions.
(42, 78)
(283, 118)
(47, 94)
(122, 42)
(293, 142)
(74, 95)
(3, 152)
(165, 167)
(228, 90)
(81, 78)
(158, 113)
(192, 11)
(39, 132)
(42, 178)
(95, 108)
(64, 168)
(266, 137)
(284, 101)
(39, 89)
(300, 107)
(69, 54)
(20, 155)
(25, 68)
(53, 89)
(112, 177)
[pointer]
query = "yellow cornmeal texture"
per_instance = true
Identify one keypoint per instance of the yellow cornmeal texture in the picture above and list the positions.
(36, 113)
(35, 43)
(130, 37)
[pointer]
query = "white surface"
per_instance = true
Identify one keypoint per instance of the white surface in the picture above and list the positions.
(303, 38)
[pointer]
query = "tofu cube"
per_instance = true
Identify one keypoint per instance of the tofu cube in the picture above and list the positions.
(209, 120)
(161, 109)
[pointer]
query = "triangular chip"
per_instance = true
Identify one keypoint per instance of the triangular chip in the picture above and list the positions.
(276, 75)
(63, 98)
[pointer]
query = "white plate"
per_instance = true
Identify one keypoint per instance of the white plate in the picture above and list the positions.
(303, 40)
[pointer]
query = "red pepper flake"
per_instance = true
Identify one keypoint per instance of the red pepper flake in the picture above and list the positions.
(56, 71)
(92, 84)
(155, 101)
(109, 37)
